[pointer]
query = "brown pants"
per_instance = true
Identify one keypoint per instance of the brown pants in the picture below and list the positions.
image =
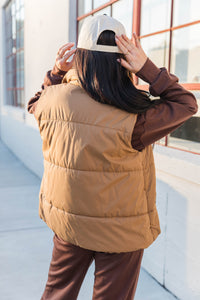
(116, 274)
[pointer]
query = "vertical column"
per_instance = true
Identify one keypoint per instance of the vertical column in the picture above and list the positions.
(170, 49)
(71, 21)
(3, 84)
(76, 22)
(136, 25)
(136, 16)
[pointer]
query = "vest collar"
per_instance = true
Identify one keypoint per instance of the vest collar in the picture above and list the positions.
(72, 77)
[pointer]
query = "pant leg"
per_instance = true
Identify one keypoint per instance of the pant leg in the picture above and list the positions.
(67, 270)
(116, 275)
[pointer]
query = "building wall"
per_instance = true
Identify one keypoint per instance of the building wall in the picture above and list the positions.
(47, 27)
(174, 258)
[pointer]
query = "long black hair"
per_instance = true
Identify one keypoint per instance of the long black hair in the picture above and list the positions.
(107, 81)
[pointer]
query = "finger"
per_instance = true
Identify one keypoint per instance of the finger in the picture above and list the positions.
(121, 45)
(65, 45)
(133, 41)
(64, 48)
(137, 42)
(125, 43)
(70, 64)
(128, 57)
(130, 42)
(67, 56)
(124, 63)
(61, 54)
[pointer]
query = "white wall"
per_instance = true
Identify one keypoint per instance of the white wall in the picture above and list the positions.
(174, 258)
(46, 28)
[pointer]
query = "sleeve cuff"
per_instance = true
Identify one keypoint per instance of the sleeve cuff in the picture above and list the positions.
(149, 72)
(138, 131)
(57, 71)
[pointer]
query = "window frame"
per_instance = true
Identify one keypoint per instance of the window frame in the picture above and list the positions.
(136, 19)
(16, 71)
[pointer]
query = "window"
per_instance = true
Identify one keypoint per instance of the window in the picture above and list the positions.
(155, 15)
(124, 15)
(187, 136)
(185, 62)
(185, 11)
(84, 7)
(14, 34)
(106, 10)
(115, 8)
(169, 33)
(172, 41)
(157, 48)
(98, 3)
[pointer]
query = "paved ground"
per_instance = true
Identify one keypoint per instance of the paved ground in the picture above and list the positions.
(26, 242)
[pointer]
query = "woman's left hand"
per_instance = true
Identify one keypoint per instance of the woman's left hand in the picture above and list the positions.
(63, 54)
(135, 55)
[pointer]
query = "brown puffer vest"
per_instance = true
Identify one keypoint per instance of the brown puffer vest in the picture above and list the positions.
(97, 192)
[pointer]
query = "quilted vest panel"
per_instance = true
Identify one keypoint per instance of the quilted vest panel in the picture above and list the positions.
(97, 192)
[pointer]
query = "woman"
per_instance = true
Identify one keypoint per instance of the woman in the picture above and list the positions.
(98, 190)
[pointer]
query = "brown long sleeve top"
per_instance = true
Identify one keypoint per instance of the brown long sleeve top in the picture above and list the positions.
(178, 104)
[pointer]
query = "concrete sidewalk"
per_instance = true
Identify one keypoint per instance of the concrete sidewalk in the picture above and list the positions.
(26, 242)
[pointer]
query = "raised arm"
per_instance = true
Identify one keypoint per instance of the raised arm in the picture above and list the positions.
(178, 104)
(54, 76)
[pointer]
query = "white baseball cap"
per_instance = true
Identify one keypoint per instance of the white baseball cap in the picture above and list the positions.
(91, 29)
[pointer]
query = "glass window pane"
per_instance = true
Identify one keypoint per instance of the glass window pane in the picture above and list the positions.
(10, 44)
(122, 10)
(22, 16)
(13, 79)
(84, 6)
(185, 62)
(22, 98)
(9, 62)
(8, 13)
(8, 100)
(18, 79)
(14, 39)
(13, 28)
(187, 136)
(161, 141)
(9, 79)
(98, 3)
(14, 97)
(22, 78)
(13, 9)
(156, 48)
(18, 92)
(18, 20)
(106, 10)
(18, 60)
(186, 11)
(9, 29)
(21, 38)
(13, 66)
(21, 59)
(155, 15)
(10, 97)
(17, 4)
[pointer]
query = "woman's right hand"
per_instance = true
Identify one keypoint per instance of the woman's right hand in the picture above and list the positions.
(63, 54)
(135, 55)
